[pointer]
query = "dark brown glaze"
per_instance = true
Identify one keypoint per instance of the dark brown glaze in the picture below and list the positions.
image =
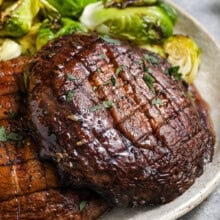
(10, 73)
(134, 152)
(29, 188)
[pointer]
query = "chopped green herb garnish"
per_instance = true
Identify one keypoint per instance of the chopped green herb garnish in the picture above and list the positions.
(95, 108)
(113, 80)
(152, 59)
(157, 102)
(174, 71)
(118, 70)
(149, 80)
(12, 136)
(71, 77)
(3, 136)
(103, 56)
(148, 70)
(82, 205)
(70, 95)
(107, 83)
(108, 104)
(109, 39)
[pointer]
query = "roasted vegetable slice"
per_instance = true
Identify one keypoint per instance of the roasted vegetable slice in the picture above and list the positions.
(52, 29)
(183, 52)
(17, 19)
(139, 24)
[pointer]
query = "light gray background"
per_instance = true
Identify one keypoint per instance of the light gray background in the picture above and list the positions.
(207, 12)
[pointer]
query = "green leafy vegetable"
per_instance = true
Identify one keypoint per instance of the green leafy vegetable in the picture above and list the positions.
(18, 18)
(52, 29)
(28, 41)
(49, 11)
(140, 24)
(70, 8)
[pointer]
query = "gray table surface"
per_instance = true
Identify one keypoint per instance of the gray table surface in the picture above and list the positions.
(207, 12)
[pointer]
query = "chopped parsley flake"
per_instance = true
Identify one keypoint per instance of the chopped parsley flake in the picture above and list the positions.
(108, 104)
(107, 83)
(82, 205)
(152, 59)
(3, 136)
(103, 56)
(113, 80)
(70, 95)
(12, 136)
(174, 71)
(71, 77)
(157, 102)
(95, 108)
(148, 70)
(110, 40)
(149, 80)
(118, 70)
(105, 104)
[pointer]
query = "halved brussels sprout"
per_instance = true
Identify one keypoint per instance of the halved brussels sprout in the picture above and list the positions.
(70, 8)
(183, 52)
(147, 24)
(17, 19)
(52, 29)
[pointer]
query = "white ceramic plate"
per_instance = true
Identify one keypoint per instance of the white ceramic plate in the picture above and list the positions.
(208, 83)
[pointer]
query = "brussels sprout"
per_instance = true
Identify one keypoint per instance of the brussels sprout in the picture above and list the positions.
(9, 49)
(52, 29)
(28, 41)
(125, 3)
(183, 52)
(17, 19)
(49, 11)
(70, 8)
(140, 24)
(171, 12)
